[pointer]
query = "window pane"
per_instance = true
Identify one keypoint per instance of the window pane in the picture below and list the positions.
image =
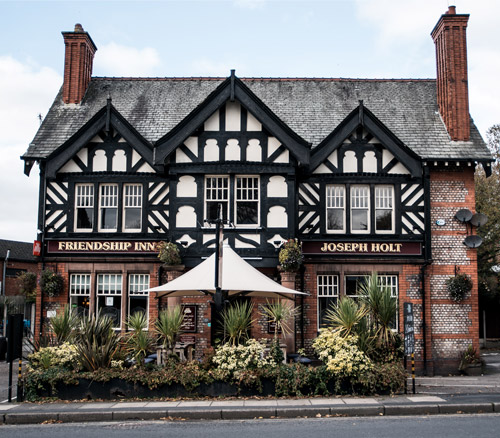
(216, 192)
(247, 200)
(109, 217)
(247, 213)
(335, 219)
(133, 218)
(352, 283)
(384, 220)
(84, 218)
(359, 220)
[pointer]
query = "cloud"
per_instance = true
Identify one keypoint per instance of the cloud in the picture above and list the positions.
(117, 60)
(27, 90)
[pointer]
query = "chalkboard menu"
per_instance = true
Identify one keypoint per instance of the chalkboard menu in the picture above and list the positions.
(409, 331)
(190, 319)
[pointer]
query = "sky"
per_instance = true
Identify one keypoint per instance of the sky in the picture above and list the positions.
(259, 38)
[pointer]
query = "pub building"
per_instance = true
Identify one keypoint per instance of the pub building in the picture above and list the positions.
(367, 173)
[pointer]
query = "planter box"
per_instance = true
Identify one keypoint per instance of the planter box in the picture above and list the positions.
(473, 369)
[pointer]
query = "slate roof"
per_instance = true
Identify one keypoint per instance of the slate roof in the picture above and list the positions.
(312, 107)
(20, 251)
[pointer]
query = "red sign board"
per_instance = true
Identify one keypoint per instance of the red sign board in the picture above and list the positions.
(362, 248)
(37, 248)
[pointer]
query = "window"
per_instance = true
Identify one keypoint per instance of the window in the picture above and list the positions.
(391, 281)
(109, 296)
(247, 200)
(132, 207)
(360, 209)
(335, 212)
(137, 297)
(384, 217)
(79, 293)
(216, 192)
(328, 294)
(84, 206)
(108, 207)
(352, 284)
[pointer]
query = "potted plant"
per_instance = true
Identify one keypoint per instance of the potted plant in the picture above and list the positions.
(458, 287)
(471, 362)
(168, 253)
(290, 256)
(51, 283)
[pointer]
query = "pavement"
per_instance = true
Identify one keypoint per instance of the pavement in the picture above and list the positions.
(434, 395)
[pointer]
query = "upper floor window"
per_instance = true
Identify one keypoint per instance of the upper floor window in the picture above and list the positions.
(247, 200)
(335, 208)
(360, 209)
(216, 192)
(108, 207)
(132, 207)
(84, 206)
(241, 193)
(384, 209)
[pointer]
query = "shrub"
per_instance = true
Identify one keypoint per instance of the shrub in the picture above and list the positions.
(469, 357)
(290, 256)
(236, 322)
(27, 285)
(459, 286)
(62, 356)
(231, 360)
(51, 283)
(139, 341)
(386, 378)
(341, 354)
(168, 326)
(169, 253)
(63, 325)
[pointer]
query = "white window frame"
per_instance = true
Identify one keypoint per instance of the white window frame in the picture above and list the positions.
(137, 285)
(211, 194)
(358, 203)
(108, 201)
(110, 285)
(84, 200)
(328, 286)
(392, 282)
(132, 201)
(335, 200)
(79, 286)
(248, 191)
(382, 202)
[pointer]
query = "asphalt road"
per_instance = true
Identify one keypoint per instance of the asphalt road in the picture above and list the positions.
(456, 426)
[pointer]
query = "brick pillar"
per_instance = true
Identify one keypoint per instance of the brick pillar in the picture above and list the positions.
(174, 272)
(288, 280)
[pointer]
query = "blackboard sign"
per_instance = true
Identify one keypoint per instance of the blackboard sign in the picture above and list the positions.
(190, 318)
(409, 331)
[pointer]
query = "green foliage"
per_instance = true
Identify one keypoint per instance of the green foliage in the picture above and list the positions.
(469, 357)
(458, 287)
(139, 342)
(282, 314)
(346, 315)
(51, 283)
(63, 325)
(62, 356)
(290, 256)
(487, 194)
(236, 322)
(168, 253)
(385, 378)
(96, 342)
(168, 326)
(27, 285)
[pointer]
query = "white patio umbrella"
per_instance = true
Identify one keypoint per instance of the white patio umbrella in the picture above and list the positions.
(239, 278)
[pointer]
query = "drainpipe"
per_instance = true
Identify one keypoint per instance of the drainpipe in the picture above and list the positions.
(424, 320)
(3, 291)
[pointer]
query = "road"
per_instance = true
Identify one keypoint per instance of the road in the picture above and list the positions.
(456, 426)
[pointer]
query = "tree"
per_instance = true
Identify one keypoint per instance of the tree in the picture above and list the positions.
(488, 203)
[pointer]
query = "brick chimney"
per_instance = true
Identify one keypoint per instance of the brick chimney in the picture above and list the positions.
(78, 60)
(449, 36)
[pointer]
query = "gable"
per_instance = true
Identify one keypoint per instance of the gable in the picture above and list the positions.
(362, 144)
(232, 134)
(361, 152)
(232, 124)
(107, 143)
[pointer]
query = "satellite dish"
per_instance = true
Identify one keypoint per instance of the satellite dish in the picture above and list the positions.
(473, 241)
(463, 215)
(479, 219)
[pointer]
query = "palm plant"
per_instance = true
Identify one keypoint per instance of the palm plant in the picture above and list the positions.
(96, 342)
(382, 308)
(63, 325)
(345, 316)
(236, 322)
(139, 341)
(168, 327)
(281, 314)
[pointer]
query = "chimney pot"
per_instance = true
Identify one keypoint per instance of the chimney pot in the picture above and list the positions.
(452, 10)
(78, 27)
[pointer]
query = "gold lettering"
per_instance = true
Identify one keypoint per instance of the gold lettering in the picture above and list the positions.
(127, 246)
(324, 248)
(62, 246)
(398, 246)
(363, 247)
(375, 247)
